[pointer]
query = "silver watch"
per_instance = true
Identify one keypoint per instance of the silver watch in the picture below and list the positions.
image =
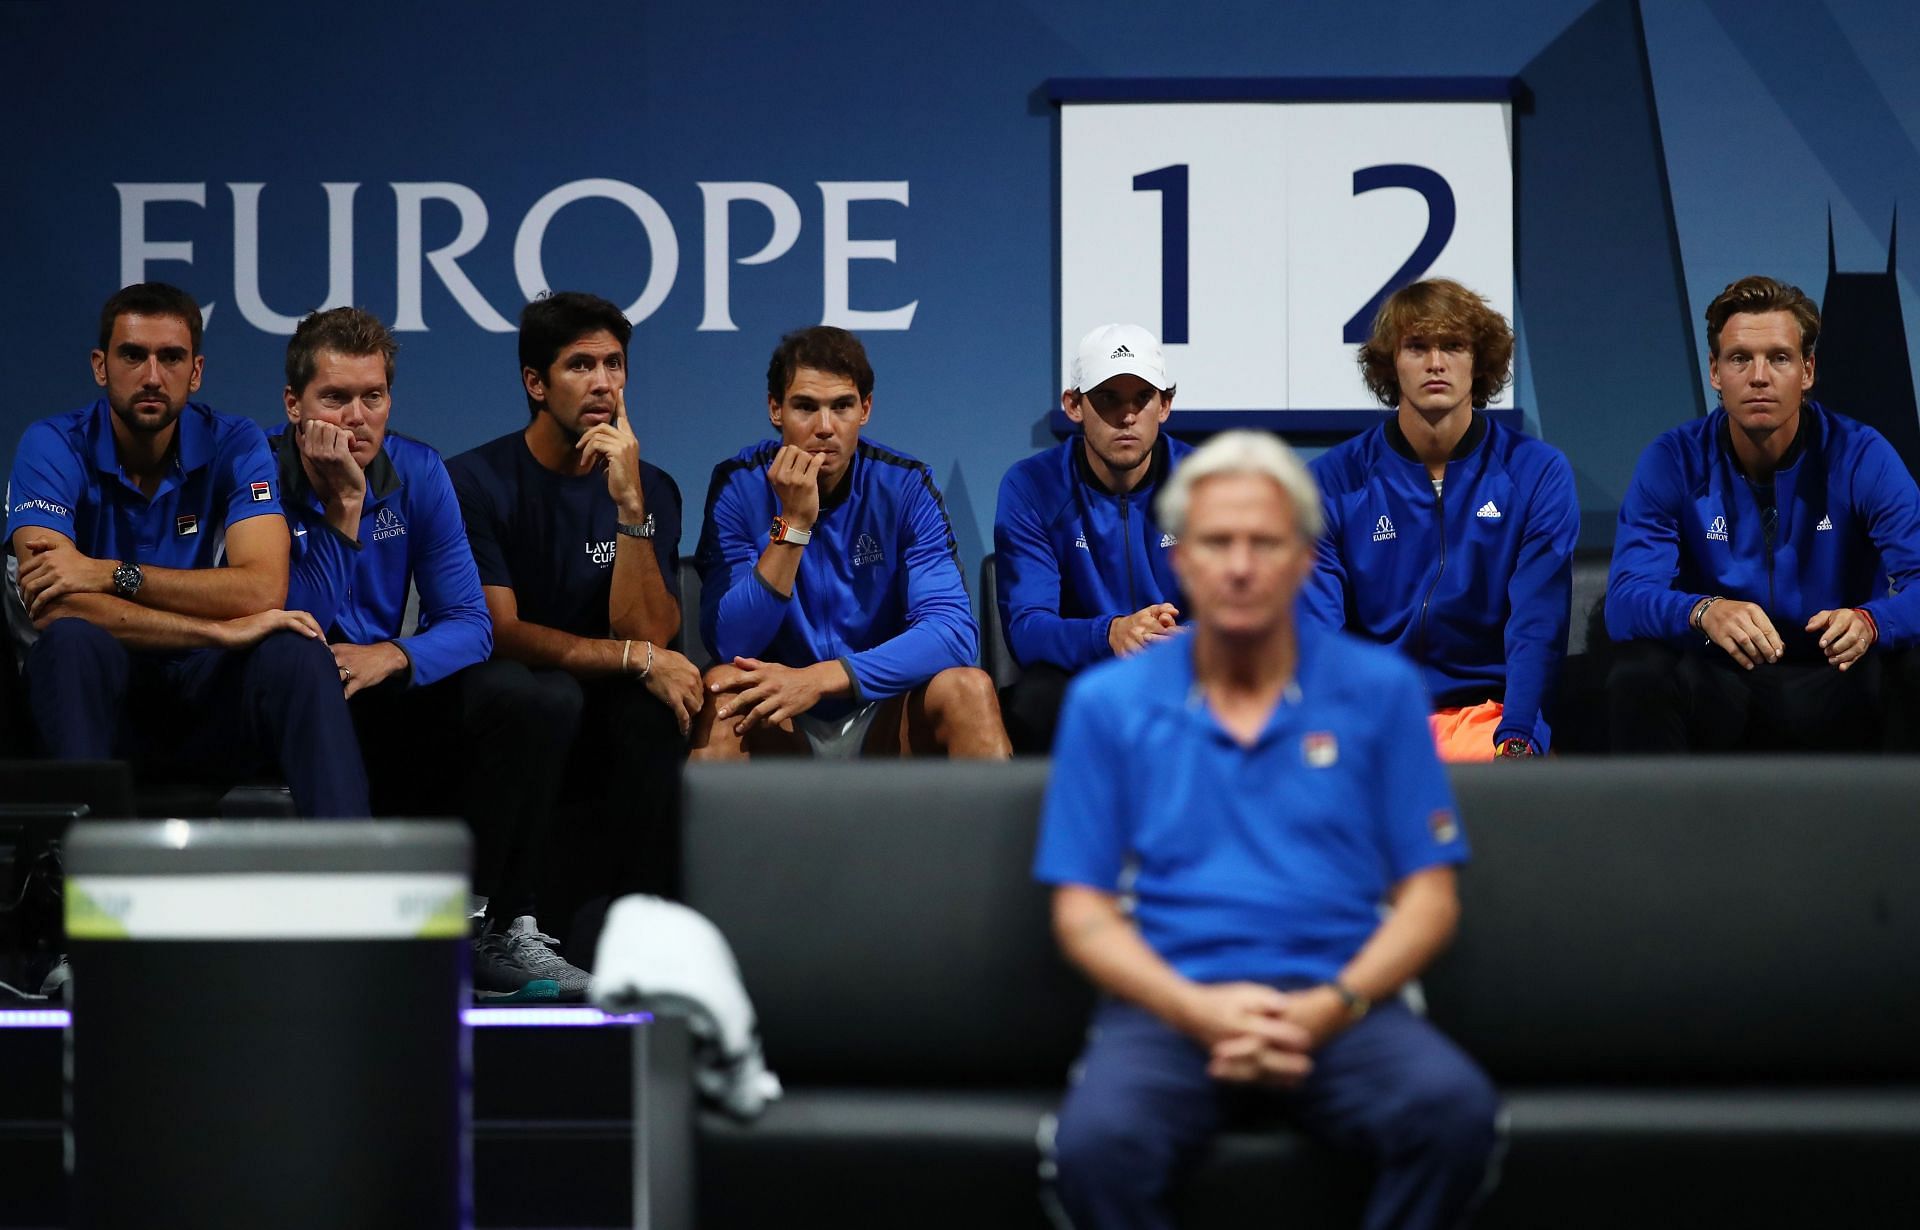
(642, 530)
(127, 579)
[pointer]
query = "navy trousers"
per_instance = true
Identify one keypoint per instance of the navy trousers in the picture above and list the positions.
(211, 712)
(1391, 1087)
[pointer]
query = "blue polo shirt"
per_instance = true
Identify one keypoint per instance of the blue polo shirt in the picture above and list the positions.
(67, 477)
(1265, 863)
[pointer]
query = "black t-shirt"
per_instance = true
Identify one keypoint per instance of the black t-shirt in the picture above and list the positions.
(550, 537)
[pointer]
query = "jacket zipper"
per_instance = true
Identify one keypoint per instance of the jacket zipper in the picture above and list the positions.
(1420, 638)
(1769, 531)
(1126, 543)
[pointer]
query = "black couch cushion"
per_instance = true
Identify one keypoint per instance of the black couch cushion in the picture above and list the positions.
(884, 919)
(1695, 921)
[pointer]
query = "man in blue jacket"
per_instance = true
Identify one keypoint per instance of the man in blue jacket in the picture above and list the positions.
(845, 630)
(149, 560)
(1767, 558)
(373, 516)
(1449, 536)
(1082, 562)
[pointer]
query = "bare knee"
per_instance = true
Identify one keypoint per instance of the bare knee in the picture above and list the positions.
(713, 738)
(962, 691)
(964, 709)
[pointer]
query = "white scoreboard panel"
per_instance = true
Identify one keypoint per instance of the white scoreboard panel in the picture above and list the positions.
(1256, 237)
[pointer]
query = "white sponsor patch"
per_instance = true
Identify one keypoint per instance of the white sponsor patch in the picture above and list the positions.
(268, 906)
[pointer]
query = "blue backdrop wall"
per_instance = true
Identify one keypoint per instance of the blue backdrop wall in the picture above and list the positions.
(889, 160)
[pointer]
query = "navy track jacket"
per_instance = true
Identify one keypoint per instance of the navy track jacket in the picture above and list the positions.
(1473, 585)
(879, 587)
(1071, 555)
(410, 533)
(1847, 535)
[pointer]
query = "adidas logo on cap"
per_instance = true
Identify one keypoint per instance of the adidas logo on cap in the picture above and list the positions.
(1117, 349)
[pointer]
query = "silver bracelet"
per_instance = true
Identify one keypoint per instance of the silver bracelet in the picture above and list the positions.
(1699, 618)
(648, 668)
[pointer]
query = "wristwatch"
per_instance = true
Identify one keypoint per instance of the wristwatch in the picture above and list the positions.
(127, 579)
(1357, 1004)
(1515, 748)
(642, 530)
(782, 532)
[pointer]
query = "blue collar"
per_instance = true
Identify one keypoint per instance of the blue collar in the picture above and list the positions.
(1158, 461)
(1400, 446)
(192, 439)
(1806, 437)
(1181, 685)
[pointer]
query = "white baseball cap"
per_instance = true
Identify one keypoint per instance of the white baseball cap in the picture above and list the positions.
(1115, 350)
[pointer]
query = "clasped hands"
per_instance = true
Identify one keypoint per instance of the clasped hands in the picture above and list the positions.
(767, 693)
(1256, 1034)
(1129, 634)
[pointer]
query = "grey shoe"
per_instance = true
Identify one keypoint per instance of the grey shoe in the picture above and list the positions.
(55, 985)
(540, 954)
(500, 976)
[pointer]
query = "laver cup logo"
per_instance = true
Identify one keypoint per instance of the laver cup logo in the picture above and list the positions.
(387, 524)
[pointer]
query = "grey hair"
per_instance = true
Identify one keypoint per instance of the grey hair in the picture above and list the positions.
(1243, 452)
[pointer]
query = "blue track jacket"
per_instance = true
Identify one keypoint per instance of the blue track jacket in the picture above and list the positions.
(1691, 527)
(1071, 555)
(410, 532)
(1473, 585)
(879, 587)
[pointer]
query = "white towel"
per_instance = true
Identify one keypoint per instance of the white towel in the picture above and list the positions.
(660, 956)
